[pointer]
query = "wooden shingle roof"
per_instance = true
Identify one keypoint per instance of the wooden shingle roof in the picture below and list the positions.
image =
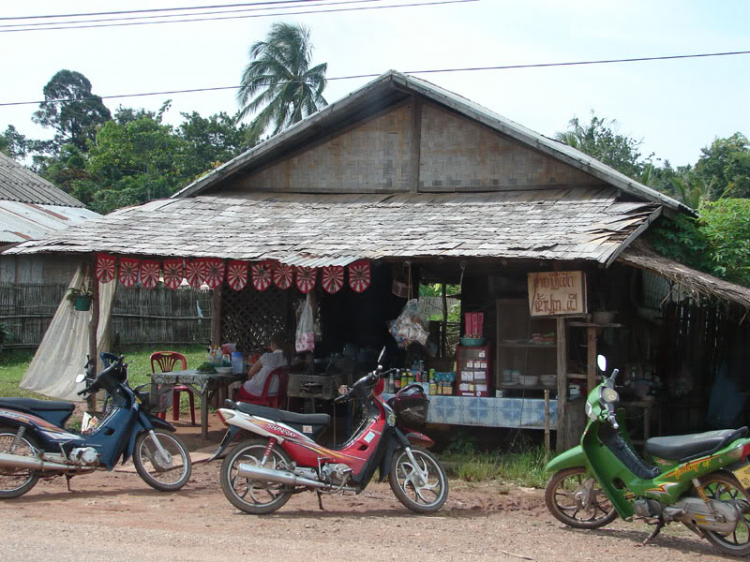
(20, 184)
(316, 230)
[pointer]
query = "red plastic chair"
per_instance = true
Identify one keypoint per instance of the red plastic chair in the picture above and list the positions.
(282, 373)
(166, 360)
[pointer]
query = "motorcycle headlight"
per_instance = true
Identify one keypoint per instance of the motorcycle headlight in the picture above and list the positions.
(590, 411)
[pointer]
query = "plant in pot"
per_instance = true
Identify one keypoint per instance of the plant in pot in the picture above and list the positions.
(80, 299)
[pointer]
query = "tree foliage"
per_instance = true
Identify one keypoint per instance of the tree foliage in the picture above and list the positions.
(726, 165)
(71, 109)
(279, 83)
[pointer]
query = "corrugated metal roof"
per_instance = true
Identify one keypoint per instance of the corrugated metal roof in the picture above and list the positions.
(20, 222)
(18, 183)
(393, 86)
(560, 224)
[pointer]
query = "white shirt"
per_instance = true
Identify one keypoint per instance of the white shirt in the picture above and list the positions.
(270, 362)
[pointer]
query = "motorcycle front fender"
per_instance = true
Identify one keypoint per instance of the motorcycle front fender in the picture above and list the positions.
(572, 458)
(144, 422)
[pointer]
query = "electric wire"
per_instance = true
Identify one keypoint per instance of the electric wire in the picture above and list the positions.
(429, 71)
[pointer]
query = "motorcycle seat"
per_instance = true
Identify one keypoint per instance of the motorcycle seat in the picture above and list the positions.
(31, 405)
(282, 415)
(688, 447)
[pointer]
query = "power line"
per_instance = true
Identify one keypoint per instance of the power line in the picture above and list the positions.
(430, 71)
(31, 26)
(275, 14)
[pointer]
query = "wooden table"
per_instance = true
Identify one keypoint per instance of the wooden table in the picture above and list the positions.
(202, 383)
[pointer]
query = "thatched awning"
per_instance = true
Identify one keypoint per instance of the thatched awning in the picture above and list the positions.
(688, 280)
(318, 230)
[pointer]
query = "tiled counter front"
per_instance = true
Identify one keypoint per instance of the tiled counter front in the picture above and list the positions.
(490, 412)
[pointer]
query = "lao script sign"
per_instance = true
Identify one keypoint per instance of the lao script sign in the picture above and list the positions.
(555, 293)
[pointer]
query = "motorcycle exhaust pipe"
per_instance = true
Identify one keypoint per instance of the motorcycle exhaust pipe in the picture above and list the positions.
(276, 476)
(32, 463)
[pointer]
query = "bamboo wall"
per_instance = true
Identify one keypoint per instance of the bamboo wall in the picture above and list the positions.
(140, 316)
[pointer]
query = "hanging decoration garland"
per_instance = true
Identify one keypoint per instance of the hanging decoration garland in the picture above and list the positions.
(237, 274)
(283, 275)
(195, 272)
(360, 276)
(332, 278)
(306, 277)
(150, 270)
(214, 272)
(105, 267)
(173, 273)
(261, 275)
(129, 271)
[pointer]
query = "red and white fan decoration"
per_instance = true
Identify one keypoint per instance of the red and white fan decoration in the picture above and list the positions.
(105, 267)
(150, 271)
(306, 277)
(214, 272)
(261, 275)
(332, 278)
(237, 274)
(360, 276)
(195, 272)
(283, 275)
(129, 271)
(174, 271)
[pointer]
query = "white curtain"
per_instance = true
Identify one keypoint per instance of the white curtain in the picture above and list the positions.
(62, 353)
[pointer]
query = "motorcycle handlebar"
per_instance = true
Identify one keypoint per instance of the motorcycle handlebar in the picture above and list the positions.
(612, 419)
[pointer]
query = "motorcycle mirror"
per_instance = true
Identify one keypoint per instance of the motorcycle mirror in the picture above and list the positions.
(380, 357)
(80, 378)
(601, 361)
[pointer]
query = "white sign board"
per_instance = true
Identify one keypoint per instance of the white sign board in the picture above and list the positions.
(556, 293)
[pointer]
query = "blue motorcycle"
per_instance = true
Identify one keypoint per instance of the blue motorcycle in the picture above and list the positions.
(35, 444)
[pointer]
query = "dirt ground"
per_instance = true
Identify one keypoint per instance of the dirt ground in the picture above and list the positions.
(117, 517)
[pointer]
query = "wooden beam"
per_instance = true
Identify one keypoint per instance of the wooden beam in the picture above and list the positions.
(562, 386)
(93, 284)
(216, 317)
(635, 234)
(416, 142)
(591, 349)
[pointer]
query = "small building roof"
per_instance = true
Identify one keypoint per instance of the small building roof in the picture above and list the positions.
(18, 183)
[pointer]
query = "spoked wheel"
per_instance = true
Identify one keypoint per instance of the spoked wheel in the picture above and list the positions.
(15, 482)
(166, 465)
(725, 488)
(421, 485)
(578, 500)
(254, 496)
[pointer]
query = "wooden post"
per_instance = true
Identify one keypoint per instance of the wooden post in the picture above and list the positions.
(216, 317)
(443, 331)
(546, 426)
(93, 283)
(591, 348)
(562, 386)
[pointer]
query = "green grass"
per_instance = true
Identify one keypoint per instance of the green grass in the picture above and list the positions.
(13, 365)
(523, 468)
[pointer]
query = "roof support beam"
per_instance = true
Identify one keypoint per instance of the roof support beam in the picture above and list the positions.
(635, 234)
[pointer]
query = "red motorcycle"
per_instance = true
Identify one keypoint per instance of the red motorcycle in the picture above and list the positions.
(260, 475)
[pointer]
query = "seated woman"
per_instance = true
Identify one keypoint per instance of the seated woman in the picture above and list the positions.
(252, 389)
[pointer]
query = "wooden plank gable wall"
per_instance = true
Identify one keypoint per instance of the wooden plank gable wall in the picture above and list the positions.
(381, 154)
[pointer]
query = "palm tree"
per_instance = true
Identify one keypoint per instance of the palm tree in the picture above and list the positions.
(279, 78)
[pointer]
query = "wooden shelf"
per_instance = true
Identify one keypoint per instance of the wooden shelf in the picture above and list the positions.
(527, 344)
(531, 387)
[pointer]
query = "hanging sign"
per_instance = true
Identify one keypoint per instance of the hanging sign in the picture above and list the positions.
(173, 273)
(261, 275)
(105, 267)
(306, 277)
(214, 272)
(360, 276)
(195, 272)
(555, 293)
(129, 271)
(283, 275)
(150, 271)
(237, 274)
(332, 278)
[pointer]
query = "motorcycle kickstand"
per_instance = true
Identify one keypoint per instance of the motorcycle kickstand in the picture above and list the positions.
(659, 525)
(320, 500)
(68, 478)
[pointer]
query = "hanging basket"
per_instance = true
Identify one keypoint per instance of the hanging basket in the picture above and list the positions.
(82, 303)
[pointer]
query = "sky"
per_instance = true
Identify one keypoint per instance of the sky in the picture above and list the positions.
(675, 107)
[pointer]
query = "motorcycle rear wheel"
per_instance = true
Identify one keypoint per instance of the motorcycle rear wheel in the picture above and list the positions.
(726, 488)
(419, 496)
(563, 505)
(163, 475)
(253, 496)
(16, 482)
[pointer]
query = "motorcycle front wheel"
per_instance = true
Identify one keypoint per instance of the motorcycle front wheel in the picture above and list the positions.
(422, 487)
(725, 488)
(254, 496)
(578, 501)
(164, 473)
(15, 482)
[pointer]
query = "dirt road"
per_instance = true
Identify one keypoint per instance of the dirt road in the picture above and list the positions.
(115, 517)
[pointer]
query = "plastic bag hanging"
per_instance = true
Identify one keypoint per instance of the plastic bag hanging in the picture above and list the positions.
(305, 336)
(409, 327)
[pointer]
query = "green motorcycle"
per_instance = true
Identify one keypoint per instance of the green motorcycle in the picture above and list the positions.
(699, 480)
